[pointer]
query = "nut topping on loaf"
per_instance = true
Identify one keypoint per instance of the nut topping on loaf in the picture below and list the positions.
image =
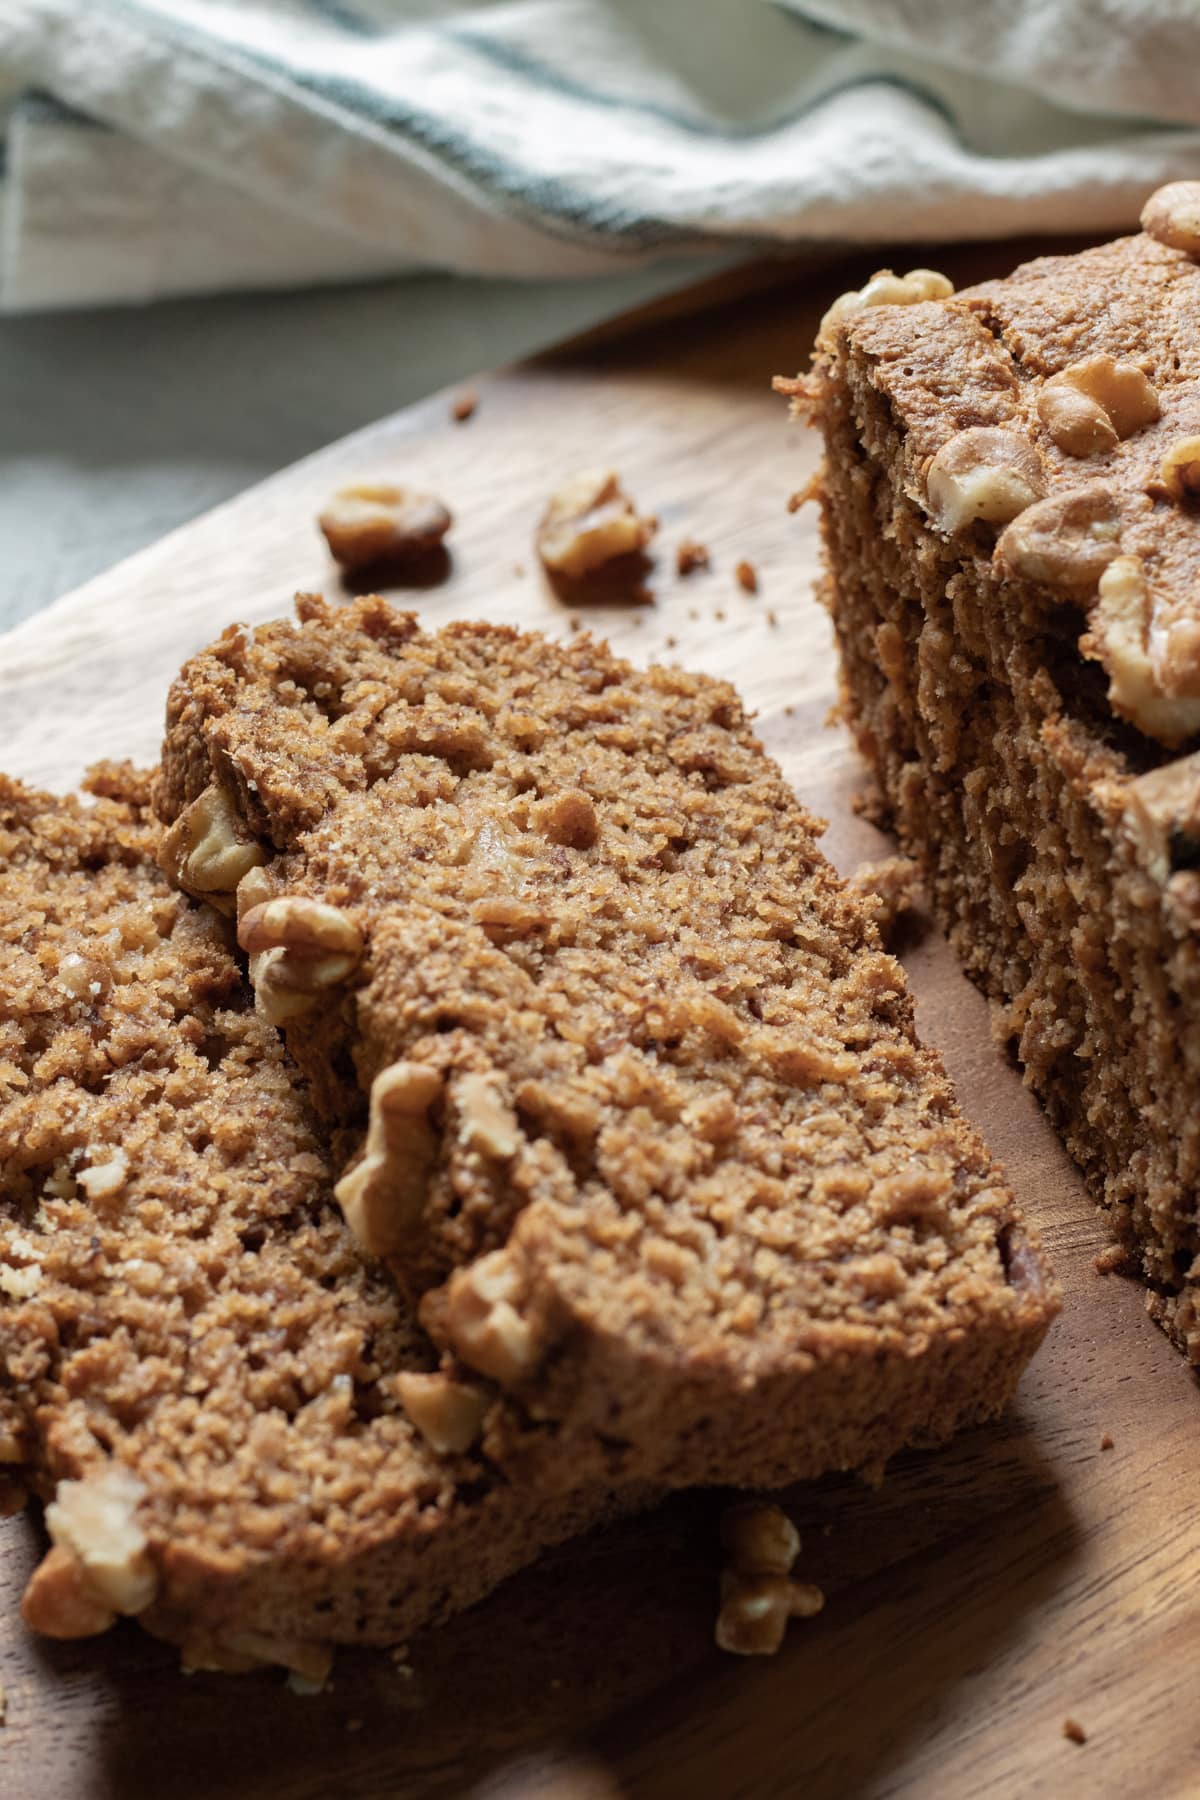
(1061, 414)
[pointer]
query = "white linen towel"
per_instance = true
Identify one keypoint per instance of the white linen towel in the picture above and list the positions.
(157, 147)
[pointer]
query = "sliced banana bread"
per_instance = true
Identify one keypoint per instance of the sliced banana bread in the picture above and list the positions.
(623, 1085)
(199, 1370)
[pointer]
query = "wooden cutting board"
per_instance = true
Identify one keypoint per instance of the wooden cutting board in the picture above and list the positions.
(987, 1592)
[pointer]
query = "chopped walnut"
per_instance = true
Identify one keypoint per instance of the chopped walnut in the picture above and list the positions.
(982, 474)
(589, 522)
(1172, 215)
(757, 1595)
(887, 289)
(60, 1602)
(208, 849)
(1078, 424)
(106, 1176)
(1118, 637)
(384, 1195)
(760, 1539)
(1180, 469)
(94, 1523)
(1088, 406)
(448, 1414)
(483, 1322)
(486, 1122)
(755, 1610)
(298, 948)
(1067, 541)
(381, 523)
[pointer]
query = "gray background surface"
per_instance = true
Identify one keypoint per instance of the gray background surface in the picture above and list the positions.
(116, 426)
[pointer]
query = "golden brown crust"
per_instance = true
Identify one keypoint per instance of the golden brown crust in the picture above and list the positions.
(678, 1096)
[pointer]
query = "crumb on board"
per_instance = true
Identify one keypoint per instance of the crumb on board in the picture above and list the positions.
(671, 642)
(772, 616)
(1111, 1257)
(464, 405)
(3, 1704)
(519, 571)
(788, 711)
(810, 491)
(693, 613)
(573, 624)
(1074, 1730)
(719, 614)
(746, 576)
(691, 555)
(1106, 1442)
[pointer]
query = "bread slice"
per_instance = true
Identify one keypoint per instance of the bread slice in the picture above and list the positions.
(629, 1095)
(200, 1371)
(1013, 558)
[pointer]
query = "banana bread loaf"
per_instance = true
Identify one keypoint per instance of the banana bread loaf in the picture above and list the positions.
(1012, 537)
(623, 1086)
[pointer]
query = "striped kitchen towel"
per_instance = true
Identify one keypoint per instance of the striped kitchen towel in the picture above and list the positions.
(156, 147)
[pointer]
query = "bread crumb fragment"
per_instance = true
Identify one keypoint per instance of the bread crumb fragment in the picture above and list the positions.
(1074, 1730)
(746, 576)
(1106, 1442)
(691, 555)
(1111, 1257)
(464, 406)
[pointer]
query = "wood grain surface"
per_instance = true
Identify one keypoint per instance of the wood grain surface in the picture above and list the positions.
(985, 1593)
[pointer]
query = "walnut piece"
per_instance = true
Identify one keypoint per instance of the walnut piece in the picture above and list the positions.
(760, 1539)
(486, 1122)
(1172, 215)
(378, 522)
(589, 522)
(1119, 638)
(383, 1196)
(983, 474)
(483, 1323)
(1078, 424)
(447, 1413)
(755, 1610)
(60, 1602)
(886, 289)
(1067, 541)
(298, 948)
(99, 1565)
(208, 850)
(107, 1174)
(1117, 399)
(1181, 469)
